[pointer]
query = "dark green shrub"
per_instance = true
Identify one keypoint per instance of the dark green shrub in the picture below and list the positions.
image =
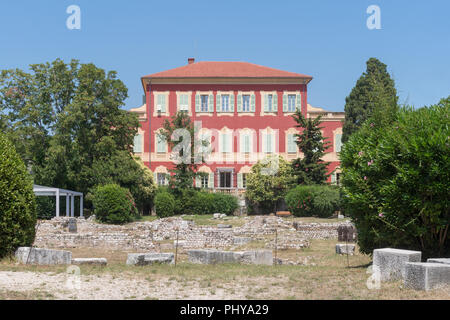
(17, 201)
(200, 203)
(396, 181)
(45, 207)
(113, 204)
(307, 201)
(223, 203)
(164, 204)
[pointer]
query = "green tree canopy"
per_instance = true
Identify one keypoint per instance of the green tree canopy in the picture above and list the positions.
(374, 90)
(310, 169)
(269, 181)
(67, 123)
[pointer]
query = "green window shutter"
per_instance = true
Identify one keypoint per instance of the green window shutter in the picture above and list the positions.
(232, 102)
(160, 145)
(275, 102)
(166, 179)
(252, 103)
(219, 103)
(240, 181)
(285, 103)
(269, 143)
(211, 103)
(298, 102)
(292, 147)
(163, 103)
(266, 103)
(239, 103)
(333, 178)
(247, 143)
(198, 182)
(338, 138)
(197, 103)
(137, 146)
(211, 181)
(155, 177)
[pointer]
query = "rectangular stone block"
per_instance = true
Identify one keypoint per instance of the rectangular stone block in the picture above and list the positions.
(43, 256)
(143, 259)
(426, 275)
(391, 262)
(264, 257)
(342, 248)
(90, 261)
(439, 260)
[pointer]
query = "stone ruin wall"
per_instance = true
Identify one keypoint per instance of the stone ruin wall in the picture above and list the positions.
(147, 236)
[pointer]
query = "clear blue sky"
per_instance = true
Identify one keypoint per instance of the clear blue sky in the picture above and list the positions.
(326, 39)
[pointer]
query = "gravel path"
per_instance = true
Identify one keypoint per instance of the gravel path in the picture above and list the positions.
(101, 287)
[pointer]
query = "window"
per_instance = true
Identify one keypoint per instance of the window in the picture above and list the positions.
(225, 143)
(225, 179)
(291, 143)
(338, 139)
(137, 145)
(246, 103)
(268, 143)
(204, 103)
(161, 179)
(225, 103)
(244, 180)
(160, 144)
(269, 102)
(291, 103)
(184, 102)
(204, 181)
(245, 143)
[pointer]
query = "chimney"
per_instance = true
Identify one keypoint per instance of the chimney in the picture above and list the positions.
(191, 60)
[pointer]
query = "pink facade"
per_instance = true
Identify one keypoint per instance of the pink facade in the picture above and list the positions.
(245, 110)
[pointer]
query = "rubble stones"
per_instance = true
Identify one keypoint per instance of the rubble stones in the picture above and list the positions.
(43, 256)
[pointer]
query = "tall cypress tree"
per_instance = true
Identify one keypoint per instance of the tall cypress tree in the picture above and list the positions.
(374, 90)
(311, 169)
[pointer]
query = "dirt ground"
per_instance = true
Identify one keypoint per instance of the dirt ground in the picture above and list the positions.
(321, 275)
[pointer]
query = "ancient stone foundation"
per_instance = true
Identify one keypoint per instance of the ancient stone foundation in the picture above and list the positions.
(42, 256)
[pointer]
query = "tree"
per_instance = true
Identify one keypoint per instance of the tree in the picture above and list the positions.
(181, 133)
(310, 169)
(17, 201)
(268, 182)
(67, 123)
(396, 179)
(374, 90)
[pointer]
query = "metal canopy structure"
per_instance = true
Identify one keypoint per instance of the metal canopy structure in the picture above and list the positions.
(41, 191)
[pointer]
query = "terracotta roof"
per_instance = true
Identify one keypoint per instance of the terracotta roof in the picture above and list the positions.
(216, 69)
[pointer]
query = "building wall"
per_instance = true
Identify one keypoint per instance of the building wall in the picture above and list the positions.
(257, 121)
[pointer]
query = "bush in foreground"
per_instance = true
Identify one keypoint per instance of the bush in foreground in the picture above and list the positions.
(113, 204)
(17, 201)
(396, 181)
(310, 200)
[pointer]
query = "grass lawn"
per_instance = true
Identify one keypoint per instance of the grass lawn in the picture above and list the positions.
(325, 276)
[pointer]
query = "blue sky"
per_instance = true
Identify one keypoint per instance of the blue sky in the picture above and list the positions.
(326, 39)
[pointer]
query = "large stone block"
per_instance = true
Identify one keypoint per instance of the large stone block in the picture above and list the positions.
(90, 261)
(143, 259)
(391, 262)
(264, 257)
(43, 256)
(427, 275)
(439, 260)
(210, 256)
(342, 248)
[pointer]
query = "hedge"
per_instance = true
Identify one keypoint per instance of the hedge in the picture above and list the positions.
(113, 204)
(17, 201)
(312, 200)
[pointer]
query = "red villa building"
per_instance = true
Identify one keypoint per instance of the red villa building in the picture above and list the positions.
(245, 112)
